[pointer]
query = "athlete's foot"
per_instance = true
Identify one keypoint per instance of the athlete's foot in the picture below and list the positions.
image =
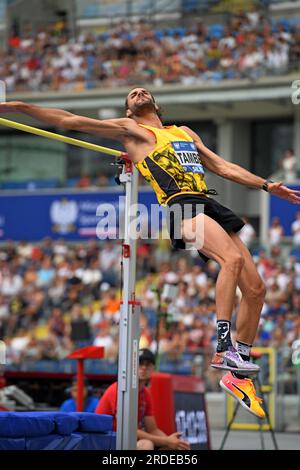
(244, 392)
(231, 360)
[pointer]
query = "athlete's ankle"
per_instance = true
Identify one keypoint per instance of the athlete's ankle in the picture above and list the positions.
(244, 350)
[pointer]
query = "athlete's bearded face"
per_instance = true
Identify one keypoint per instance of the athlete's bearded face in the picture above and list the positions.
(139, 102)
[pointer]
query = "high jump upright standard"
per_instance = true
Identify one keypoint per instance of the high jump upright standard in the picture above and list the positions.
(128, 380)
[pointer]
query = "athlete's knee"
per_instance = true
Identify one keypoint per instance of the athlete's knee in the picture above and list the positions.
(144, 444)
(234, 261)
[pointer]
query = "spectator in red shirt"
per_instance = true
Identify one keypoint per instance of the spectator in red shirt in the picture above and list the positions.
(148, 434)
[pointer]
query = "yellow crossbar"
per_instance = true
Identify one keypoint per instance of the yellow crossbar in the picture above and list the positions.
(61, 138)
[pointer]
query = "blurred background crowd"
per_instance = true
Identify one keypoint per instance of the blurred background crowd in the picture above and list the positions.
(56, 297)
(247, 45)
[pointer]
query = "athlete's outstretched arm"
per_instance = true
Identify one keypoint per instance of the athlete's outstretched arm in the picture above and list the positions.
(238, 174)
(114, 128)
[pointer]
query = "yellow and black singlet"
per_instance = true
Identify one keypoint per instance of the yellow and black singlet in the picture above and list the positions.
(174, 166)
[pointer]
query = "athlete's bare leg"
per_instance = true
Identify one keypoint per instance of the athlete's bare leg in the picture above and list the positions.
(217, 244)
(253, 294)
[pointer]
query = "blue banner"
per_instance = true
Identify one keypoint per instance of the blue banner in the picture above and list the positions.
(69, 215)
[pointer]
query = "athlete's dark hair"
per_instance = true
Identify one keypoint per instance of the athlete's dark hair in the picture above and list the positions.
(158, 111)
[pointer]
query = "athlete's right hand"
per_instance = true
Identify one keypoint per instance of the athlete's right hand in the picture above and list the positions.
(10, 107)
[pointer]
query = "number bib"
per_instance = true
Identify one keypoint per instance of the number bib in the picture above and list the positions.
(188, 157)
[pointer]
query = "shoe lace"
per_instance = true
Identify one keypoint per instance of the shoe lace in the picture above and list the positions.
(260, 400)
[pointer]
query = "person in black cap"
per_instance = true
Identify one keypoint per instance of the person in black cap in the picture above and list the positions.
(148, 434)
(145, 355)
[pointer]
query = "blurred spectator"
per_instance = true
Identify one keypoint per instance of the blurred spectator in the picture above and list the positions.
(24, 249)
(11, 283)
(19, 342)
(96, 316)
(60, 247)
(247, 233)
(102, 181)
(253, 15)
(57, 325)
(288, 164)
(90, 401)
(107, 337)
(84, 182)
(110, 302)
(104, 337)
(4, 310)
(274, 295)
(276, 232)
(46, 274)
(109, 259)
(296, 230)
(174, 342)
(276, 254)
(79, 326)
(56, 291)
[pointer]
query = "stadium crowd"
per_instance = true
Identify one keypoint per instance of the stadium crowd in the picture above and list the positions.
(55, 297)
(248, 46)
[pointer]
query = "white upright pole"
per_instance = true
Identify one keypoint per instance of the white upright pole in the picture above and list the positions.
(127, 406)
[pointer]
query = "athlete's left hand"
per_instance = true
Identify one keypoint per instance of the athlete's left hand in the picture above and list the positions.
(279, 190)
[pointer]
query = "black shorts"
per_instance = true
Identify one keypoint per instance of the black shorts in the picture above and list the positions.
(222, 215)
